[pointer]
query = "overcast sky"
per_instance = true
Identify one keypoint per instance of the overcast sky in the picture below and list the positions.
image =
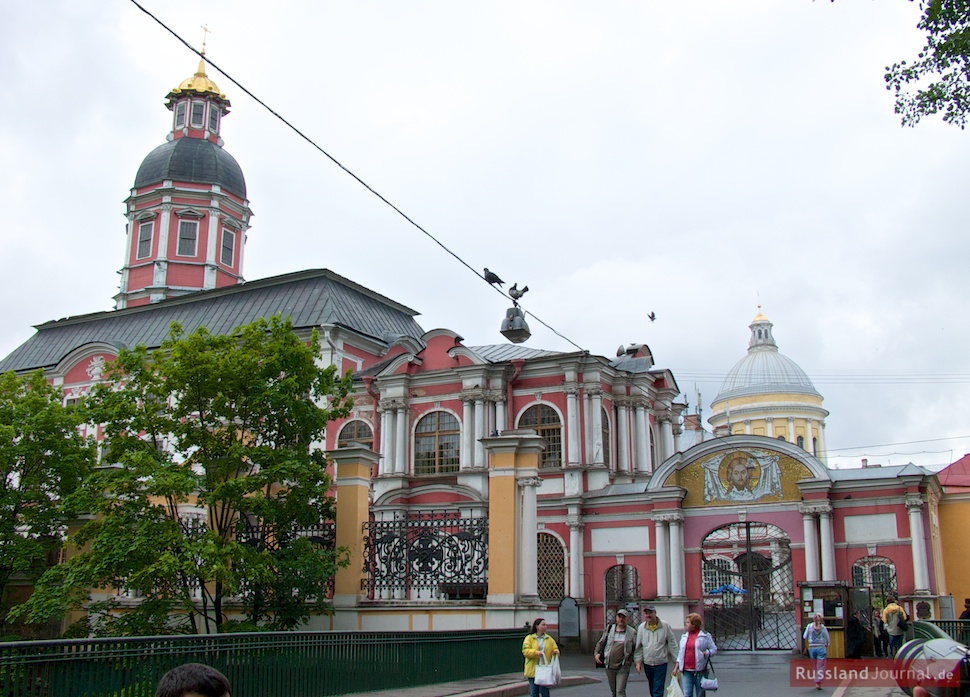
(690, 159)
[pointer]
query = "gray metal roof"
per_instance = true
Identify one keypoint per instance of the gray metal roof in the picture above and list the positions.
(499, 353)
(192, 160)
(309, 298)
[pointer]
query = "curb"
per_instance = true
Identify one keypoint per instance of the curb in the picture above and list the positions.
(521, 688)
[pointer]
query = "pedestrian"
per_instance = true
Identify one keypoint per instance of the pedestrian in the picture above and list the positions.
(965, 615)
(536, 644)
(656, 646)
(817, 638)
(895, 618)
(193, 680)
(615, 650)
(693, 655)
(880, 637)
(855, 637)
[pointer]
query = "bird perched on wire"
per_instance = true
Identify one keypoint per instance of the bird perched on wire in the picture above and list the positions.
(493, 278)
(516, 293)
(652, 317)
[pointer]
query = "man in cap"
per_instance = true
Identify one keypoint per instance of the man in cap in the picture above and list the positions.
(615, 649)
(656, 646)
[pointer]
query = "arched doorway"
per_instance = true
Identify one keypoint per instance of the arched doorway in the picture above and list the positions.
(749, 594)
(621, 586)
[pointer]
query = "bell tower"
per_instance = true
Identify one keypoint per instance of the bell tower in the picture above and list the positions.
(188, 214)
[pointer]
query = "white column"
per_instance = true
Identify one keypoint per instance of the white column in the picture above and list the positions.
(401, 440)
(596, 437)
(677, 588)
(623, 462)
(828, 545)
(809, 437)
(587, 403)
(575, 556)
(479, 431)
(668, 436)
(501, 420)
(822, 448)
(791, 430)
(811, 544)
(528, 543)
(769, 422)
(387, 441)
(467, 434)
(642, 439)
(662, 536)
(921, 576)
(747, 427)
(572, 425)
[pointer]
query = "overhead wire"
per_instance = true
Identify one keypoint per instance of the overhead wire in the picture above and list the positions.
(360, 181)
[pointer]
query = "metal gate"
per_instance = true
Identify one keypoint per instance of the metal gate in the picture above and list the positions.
(749, 592)
(621, 589)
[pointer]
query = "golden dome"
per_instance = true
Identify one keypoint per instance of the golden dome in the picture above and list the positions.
(759, 317)
(200, 83)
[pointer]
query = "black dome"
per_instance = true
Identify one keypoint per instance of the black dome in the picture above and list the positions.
(192, 160)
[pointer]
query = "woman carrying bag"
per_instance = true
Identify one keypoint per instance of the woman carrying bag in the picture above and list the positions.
(538, 646)
(696, 649)
(817, 638)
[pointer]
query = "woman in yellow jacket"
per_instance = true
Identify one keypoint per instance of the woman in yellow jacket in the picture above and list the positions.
(538, 641)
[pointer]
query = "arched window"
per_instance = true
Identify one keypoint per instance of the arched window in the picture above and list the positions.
(800, 442)
(545, 421)
(654, 456)
(606, 438)
(437, 444)
(356, 431)
(878, 574)
(815, 447)
(552, 567)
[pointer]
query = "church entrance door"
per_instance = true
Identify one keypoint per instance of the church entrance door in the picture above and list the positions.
(749, 595)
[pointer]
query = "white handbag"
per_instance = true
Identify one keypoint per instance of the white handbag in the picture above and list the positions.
(548, 674)
(710, 684)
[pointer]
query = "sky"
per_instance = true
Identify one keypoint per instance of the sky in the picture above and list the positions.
(695, 160)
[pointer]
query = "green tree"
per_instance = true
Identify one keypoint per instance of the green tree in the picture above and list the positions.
(43, 458)
(205, 435)
(939, 79)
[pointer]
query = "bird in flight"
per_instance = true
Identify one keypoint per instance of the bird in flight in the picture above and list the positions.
(516, 293)
(493, 278)
(652, 317)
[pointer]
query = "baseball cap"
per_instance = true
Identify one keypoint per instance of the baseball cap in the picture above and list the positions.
(623, 612)
(648, 606)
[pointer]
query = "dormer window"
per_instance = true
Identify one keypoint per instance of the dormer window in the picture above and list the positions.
(213, 119)
(198, 115)
(228, 246)
(180, 115)
(188, 238)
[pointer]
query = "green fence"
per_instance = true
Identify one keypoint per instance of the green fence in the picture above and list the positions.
(958, 630)
(278, 664)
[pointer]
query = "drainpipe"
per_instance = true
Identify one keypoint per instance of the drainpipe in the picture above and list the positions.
(517, 364)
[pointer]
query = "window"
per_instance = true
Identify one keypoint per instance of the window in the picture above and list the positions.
(188, 238)
(437, 444)
(180, 115)
(878, 574)
(356, 431)
(815, 446)
(228, 246)
(545, 421)
(800, 442)
(551, 563)
(213, 119)
(198, 115)
(717, 573)
(144, 240)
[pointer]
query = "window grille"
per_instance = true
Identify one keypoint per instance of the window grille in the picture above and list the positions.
(545, 421)
(877, 573)
(356, 431)
(717, 573)
(437, 444)
(551, 564)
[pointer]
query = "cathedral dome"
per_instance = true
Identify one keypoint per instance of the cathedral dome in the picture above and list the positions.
(192, 160)
(764, 370)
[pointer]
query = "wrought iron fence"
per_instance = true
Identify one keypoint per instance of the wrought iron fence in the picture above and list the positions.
(282, 664)
(958, 630)
(426, 555)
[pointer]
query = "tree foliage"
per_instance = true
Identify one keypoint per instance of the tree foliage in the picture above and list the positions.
(43, 458)
(206, 434)
(939, 79)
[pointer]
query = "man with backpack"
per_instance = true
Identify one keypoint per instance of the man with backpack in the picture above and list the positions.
(615, 649)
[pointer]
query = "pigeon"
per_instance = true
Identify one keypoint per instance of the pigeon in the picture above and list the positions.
(516, 293)
(493, 278)
(652, 317)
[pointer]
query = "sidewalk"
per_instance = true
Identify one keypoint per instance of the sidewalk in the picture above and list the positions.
(578, 671)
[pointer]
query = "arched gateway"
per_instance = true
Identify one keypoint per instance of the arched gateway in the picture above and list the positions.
(748, 584)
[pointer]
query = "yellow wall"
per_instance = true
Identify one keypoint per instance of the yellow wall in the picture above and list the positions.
(954, 533)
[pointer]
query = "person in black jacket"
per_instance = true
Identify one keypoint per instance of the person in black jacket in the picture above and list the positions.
(855, 637)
